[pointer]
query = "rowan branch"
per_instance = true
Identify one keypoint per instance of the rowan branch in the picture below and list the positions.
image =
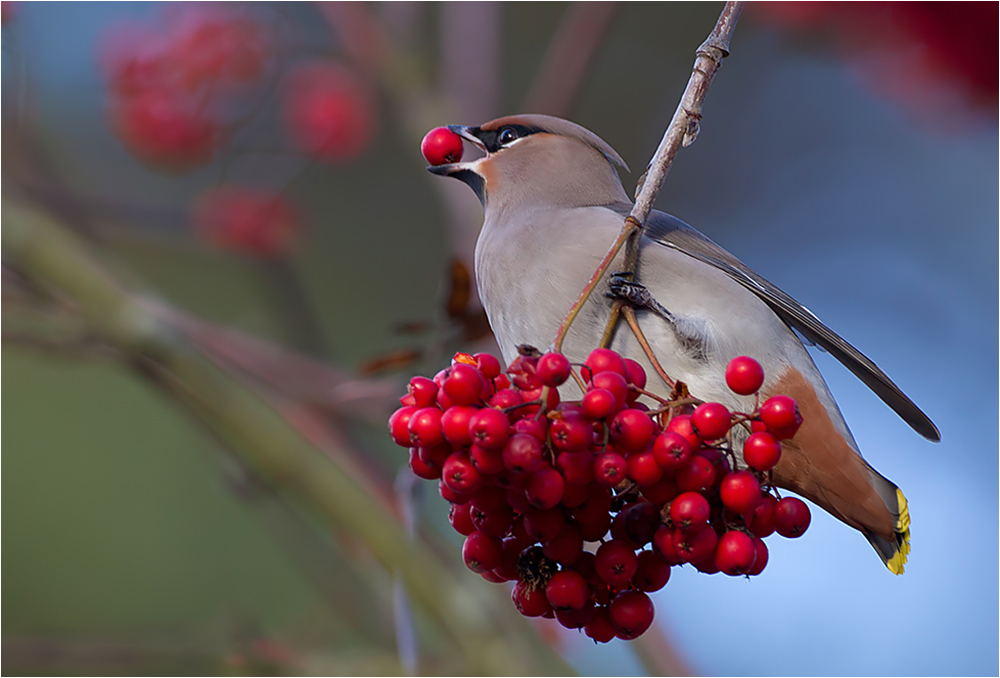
(682, 131)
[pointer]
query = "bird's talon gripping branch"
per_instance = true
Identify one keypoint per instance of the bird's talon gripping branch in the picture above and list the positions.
(635, 294)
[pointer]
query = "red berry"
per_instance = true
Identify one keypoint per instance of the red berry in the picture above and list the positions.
(537, 428)
(399, 425)
(689, 511)
(458, 516)
(605, 360)
(567, 590)
(613, 382)
(435, 456)
(553, 369)
(760, 561)
(634, 374)
(577, 468)
(598, 404)
(543, 524)
(422, 469)
(744, 375)
(652, 572)
(522, 453)
(450, 495)
(609, 468)
(507, 569)
(530, 602)
(577, 619)
(599, 628)
(481, 552)
(441, 146)
(663, 544)
(642, 467)
(761, 523)
(522, 373)
(632, 430)
(631, 614)
(545, 488)
(592, 516)
(761, 451)
(695, 546)
(711, 421)
(487, 462)
(464, 385)
(740, 492)
(566, 547)
(493, 522)
(572, 432)
(488, 365)
(781, 416)
(328, 112)
(460, 475)
(697, 475)
(575, 494)
(671, 450)
(660, 492)
(425, 427)
(791, 517)
(423, 390)
(455, 424)
(641, 520)
(683, 426)
(735, 553)
(615, 563)
(489, 428)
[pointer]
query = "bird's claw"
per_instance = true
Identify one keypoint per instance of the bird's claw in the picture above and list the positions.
(621, 286)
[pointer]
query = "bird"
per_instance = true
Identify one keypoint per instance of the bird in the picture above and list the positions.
(554, 203)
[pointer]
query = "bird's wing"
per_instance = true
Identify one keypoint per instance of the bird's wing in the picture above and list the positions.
(671, 232)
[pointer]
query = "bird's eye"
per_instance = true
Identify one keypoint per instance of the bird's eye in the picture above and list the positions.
(507, 135)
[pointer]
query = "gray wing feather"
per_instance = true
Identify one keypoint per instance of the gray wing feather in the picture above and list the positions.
(671, 232)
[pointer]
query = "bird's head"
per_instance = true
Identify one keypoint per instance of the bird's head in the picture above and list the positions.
(538, 159)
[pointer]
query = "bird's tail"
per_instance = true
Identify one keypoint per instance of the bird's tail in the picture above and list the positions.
(892, 551)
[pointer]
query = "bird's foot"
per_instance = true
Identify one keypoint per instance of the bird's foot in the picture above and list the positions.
(621, 286)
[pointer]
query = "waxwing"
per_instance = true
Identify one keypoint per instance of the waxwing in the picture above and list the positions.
(554, 203)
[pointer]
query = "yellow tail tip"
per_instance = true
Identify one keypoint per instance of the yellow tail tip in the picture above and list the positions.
(895, 564)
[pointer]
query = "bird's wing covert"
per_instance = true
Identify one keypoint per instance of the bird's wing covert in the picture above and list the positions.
(671, 232)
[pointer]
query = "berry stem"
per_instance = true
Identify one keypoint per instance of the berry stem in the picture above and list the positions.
(630, 226)
(633, 324)
(682, 131)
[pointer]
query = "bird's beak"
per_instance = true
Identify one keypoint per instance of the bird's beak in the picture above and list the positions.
(469, 134)
(465, 171)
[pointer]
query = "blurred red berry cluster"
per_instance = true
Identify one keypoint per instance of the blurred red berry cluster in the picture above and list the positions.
(169, 80)
(178, 88)
(328, 111)
(254, 222)
(533, 480)
(911, 51)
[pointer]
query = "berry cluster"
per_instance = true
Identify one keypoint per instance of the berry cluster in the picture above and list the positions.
(532, 480)
(168, 79)
(329, 113)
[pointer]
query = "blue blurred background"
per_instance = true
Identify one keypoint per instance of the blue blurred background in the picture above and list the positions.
(876, 209)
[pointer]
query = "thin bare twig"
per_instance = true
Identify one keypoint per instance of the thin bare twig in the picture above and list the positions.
(682, 130)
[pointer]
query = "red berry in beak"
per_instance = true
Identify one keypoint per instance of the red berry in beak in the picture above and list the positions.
(441, 146)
